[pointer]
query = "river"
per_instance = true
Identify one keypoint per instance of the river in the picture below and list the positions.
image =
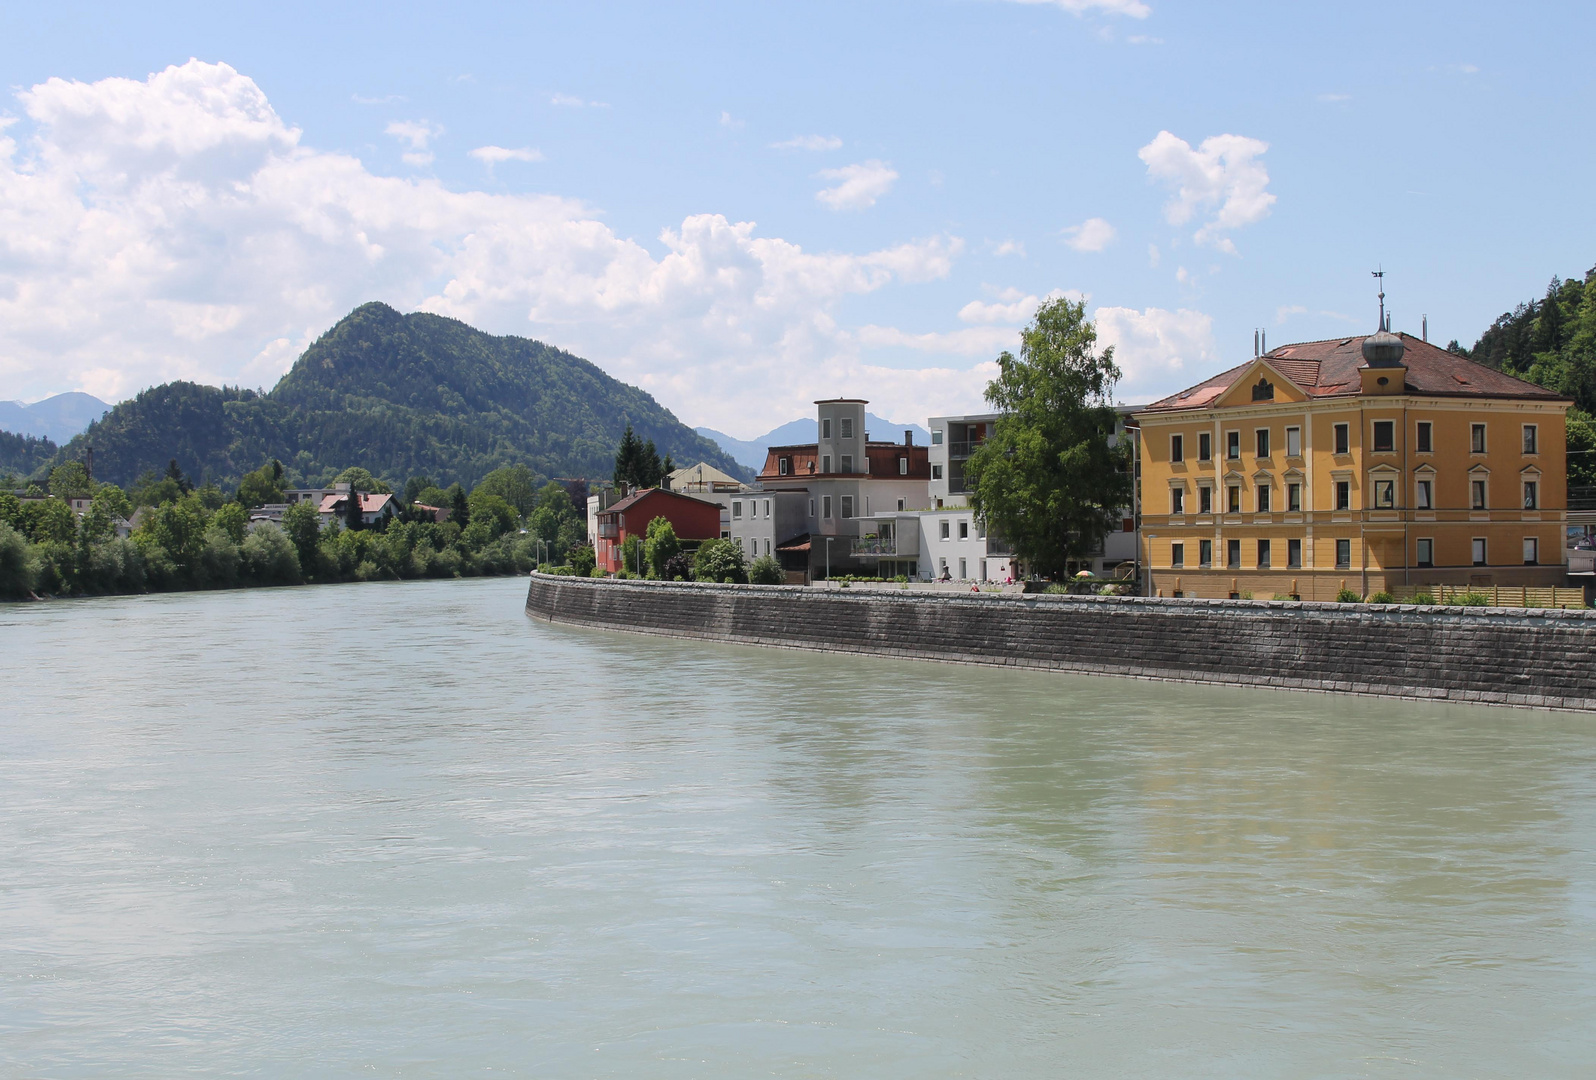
(403, 830)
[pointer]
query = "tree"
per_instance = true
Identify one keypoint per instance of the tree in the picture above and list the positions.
(582, 561)
(19, 567)
(71, 481)
(262, 486)
(766, 571)
(232, 519)
(498, 516)
(179, 528)
(459, 507)
(660, 545)
(175, 475)
(302, 524)
(1047, 478)
(516, 485)
(354, 519)
(632, 554)
(720, 560)
(356, 477)
(415, 486)
(628, 458)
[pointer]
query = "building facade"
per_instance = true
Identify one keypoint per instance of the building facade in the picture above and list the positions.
(693, 519)
(1378, 463)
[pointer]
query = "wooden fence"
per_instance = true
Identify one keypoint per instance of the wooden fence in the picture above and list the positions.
(1527, 596)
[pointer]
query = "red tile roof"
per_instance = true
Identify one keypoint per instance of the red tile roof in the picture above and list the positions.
(369, 504)
(1330, 369)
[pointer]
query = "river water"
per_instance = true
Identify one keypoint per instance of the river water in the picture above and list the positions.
(404, 830)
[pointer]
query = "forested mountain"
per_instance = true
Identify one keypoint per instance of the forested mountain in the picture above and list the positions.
(401, 395)
(22, 454)
(55, 418)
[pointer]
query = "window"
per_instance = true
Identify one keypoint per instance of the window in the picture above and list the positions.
(1263, 498)
(1262, 441)
(1177, 448)
(1233, 554)
(1426, 553)
(963, 573)
(1530, 435)
(811, 508)
(1426, 446)
(1384, 436)
(847, 463)
(1384, 494)
(1479, 551)
(900, 504)
(825, 504)
(1294, 498)
(1343, 438)
(1205, 552)
(1477, 438)
(936, 472)
(1343, 495)
(944, 530)
(1177, 501)
(1343, 554)
(964, 530)
(1531, 491)
(1177, 555)
(767, 547)
(847, 506)
(825, 430)
(847, 427)
(1293, 442)
(1425, 494)
(1233, 445)
(1233, 499)
(1476, 494)
(1294, 554)
(1205, 446)
(936, 437)
(825, 463)
(1263, 554)
(767, 508)
(737, 510)
(1532, 550)
(903, 466)
(784, 465)
(1205, 500)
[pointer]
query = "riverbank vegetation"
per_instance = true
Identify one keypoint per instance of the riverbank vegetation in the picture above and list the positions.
(164, 533)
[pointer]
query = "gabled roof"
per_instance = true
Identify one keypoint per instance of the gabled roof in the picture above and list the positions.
(638, 496)
(1330, 368)
(704, 472)
(369, 504)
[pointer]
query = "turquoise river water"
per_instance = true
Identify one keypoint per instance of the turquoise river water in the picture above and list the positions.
(404, 830)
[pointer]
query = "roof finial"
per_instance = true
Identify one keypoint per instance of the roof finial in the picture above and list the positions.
(1380, 276)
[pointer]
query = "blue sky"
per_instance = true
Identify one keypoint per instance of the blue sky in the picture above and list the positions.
(743, 207)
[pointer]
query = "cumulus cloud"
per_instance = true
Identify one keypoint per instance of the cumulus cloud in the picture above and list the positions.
(1159, 351)
(417, 133)
(857, 186)
(571, 101)
(1011, 306)
(1222, 180)
(1093, 234)
(178, 227)
(808, 142)
(1009, 247)
(494, 155)
(1133, 8)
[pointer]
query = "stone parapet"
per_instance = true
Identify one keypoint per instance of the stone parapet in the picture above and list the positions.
(1529, 657)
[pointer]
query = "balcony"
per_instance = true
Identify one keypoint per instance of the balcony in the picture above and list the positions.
(963, 448)
(875, 547)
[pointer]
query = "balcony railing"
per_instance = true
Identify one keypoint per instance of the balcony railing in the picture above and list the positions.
(962, 448)
(875, 547)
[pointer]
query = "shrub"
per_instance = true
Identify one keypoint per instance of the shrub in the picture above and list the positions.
(766, 571)
(270, 557)
(631, 548)
(720, 560)
(596, 572)
(660, 547)
(19, 569)
(1422, 597)
(1347, 596)
(1471, 598)
(1382, 597)
(582, 561)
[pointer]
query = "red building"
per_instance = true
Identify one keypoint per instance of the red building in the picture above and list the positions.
(693, 519)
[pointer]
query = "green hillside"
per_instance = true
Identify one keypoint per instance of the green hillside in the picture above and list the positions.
(22, 454)
(401, 395)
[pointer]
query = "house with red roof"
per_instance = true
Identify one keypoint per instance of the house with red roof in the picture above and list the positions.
(693, 519)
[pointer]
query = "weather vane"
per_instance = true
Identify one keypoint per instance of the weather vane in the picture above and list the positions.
(1380, 275)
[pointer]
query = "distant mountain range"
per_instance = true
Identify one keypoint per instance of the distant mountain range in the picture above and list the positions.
(402, 396)
(55, 418)
(751, 452)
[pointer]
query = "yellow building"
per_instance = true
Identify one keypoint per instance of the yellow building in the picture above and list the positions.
(1366, 463)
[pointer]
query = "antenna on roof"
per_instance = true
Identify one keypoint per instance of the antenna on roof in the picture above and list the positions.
(1424, 325)
(1255, 353)
(1380, 276)
(1265, 345)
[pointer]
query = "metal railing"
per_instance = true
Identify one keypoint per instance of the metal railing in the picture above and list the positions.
(963, 448)
(875, 546)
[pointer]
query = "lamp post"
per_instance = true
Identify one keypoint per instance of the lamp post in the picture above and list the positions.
(828, 560)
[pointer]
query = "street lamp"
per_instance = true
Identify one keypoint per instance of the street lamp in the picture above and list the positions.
(828, 559)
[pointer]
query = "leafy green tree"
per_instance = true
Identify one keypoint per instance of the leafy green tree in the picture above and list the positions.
(113, 501)
(71, 481)
(660, 545)
(720, 560)
(19, 567)
(262, 486)
(354, 518)
(153, 489)
(496, 515)
(210, 497)
(10, 510)
(302, 525)
(459, 506)
(582, 561)
(516, 485)
(269, 556)
(632, 554)
(231, 519)
(1047, 478)
(766, 571)
(362, 480)
(175, 475)
(179, 528)
(50, 522)
(415, 486)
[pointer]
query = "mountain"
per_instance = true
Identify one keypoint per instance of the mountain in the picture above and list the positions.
(55, 418)
(401, 395)
(751, 452)
(22, 454)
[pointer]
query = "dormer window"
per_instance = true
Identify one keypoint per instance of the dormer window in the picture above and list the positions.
(784, 465)
(1264, 391)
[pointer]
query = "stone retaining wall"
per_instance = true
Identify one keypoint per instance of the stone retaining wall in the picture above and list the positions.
(1506, 656)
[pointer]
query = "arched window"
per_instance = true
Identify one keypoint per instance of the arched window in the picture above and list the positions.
(1264, 391)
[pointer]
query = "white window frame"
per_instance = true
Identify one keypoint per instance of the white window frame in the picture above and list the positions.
(1479, 483)
(847, 464)
(936, 472)
(783, 466)
(1205, 437)
(903, 466)
(936, 436)
(1233, 437)
(825, 505)
(1485, 446)
(825, 463)
(1374, 425)
(767, 509)
(846, 430)
(1532, 551)
(1418, 552)
(1293, 441)
(1261, 441)
(1205, 491)
(1343, 544)
(1423, 493)
(964, 529)
(1294, 495)
(944, 529)
(737, 509)
(1177, 500)
(825, 428)
(1387, 486)
(1177, 448)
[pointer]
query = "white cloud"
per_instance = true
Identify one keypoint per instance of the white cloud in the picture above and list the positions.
(389, 99)
(971, 341)
(418, 133)
(1335, 97)
(1222, 178)
(1093, 234)
(1009, 247)
(1159, 351)
(177, 227)
(494, 155)
(1286, 311)
(571, 101)
(1182, 275)
(727, 120)
(1134, 8)
(809, 142)
(1012, 306)
(857, 186)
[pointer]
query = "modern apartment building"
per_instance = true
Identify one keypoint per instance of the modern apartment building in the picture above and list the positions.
(1369, 463)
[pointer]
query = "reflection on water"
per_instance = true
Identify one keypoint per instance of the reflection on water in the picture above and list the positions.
(403, 829)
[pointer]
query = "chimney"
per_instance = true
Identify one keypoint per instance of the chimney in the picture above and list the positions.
(88, 462)
(908, 437)
(1424, 335)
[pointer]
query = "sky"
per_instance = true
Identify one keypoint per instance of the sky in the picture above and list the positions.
(744, 207)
